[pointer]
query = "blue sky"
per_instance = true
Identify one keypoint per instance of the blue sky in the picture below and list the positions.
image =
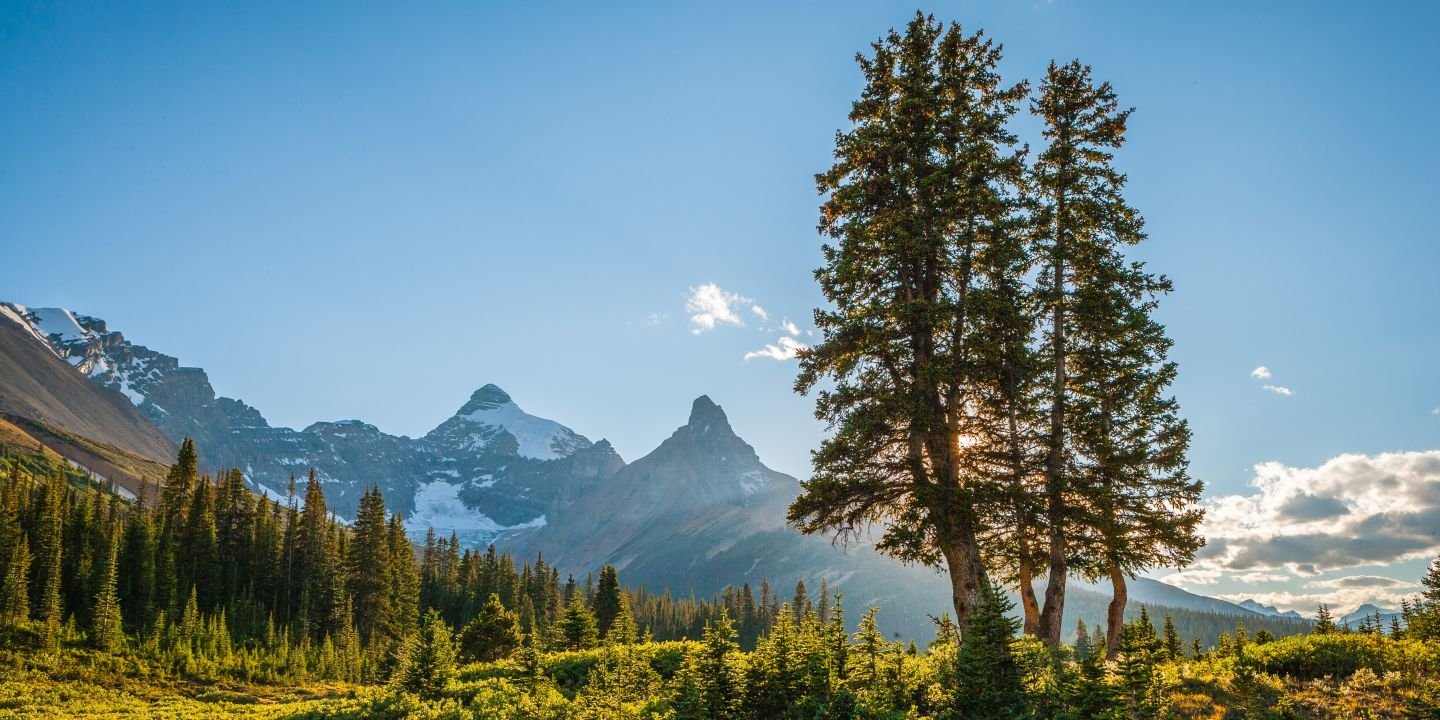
(369, 211)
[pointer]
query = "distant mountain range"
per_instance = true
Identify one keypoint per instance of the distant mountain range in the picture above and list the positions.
(1254, 606)
(699, 512)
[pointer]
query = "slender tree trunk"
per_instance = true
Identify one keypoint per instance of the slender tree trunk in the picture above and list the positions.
(1027, 599)
(1115, 613)
(1053, 615)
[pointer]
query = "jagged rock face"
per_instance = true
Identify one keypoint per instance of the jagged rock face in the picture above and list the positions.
(703, 490)
(488, 468)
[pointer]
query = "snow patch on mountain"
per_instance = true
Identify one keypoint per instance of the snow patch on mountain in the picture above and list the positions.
(59, 321)
(438, 506)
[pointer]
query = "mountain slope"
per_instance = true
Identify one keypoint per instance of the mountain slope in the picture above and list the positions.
(37, 384)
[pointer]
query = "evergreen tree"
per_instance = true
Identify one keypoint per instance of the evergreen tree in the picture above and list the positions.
(1171, 642)
(607, 599)
(719, 684)
(368, 565)
(578, 630)
(801, 603)
(175, 501)
(1115, 439)
(427, 661)
(1083, 648)
(622, 628)
(493, 634)
(1141, 691)
(137, 573)
(48, 564)
(106, 628)
(1324, 621)
(988, 683)
(404, 580)
(921, 184)
(14, 560)
(1089, 694)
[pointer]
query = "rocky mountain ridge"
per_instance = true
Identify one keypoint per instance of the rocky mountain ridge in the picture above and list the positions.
(489, 468)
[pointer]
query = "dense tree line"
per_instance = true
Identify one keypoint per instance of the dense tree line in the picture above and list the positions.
(989, 362)
(203, 563)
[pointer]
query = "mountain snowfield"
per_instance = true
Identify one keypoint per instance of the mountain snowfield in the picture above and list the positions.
(698, 513)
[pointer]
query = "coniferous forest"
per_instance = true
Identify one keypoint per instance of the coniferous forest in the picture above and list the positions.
(999, 404)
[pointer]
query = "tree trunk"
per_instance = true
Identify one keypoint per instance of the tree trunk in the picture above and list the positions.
(967, 577)
(1052, 617)
(1115, 614)
(1027, 599)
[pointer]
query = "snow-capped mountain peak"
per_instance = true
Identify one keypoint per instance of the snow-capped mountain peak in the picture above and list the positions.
(490, 411)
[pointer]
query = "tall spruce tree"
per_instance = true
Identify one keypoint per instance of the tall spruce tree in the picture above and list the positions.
(47, 567)
(923, 183)
(1116, 444)
(107, 631)
(368, 566)
(607, 599)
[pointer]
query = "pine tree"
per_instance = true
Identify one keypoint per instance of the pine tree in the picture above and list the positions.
(1324, 621)
(1083, 648)
(368, 565)
(175, 500)
(14, 560)
(493, 634)
(607, 599)
(1174, 650)
(137, 574)
(404, 580)
(719, 688)
(578, 630)
(1140, 689)
(988, 682)
(1115, 439)
(427, 662)
(106, 628)
(622, 628)
(801, 603)
(1089, 694)
(48, 565)
(919, 187)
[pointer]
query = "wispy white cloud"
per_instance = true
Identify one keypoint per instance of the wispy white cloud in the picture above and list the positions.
(1260, 373)
(793, 330)
(710, 307)
(654, 318)
(783, 349)
(760, 311)
(1279, 390)
(1436, 411)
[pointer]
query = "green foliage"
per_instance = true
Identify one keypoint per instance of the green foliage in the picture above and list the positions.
(427, 659)
(578, 630)
(493, 634)
(987, 678)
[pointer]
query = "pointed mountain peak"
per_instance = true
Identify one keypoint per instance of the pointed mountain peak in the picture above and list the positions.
(486, 398)
(490, 411)
(706, 415)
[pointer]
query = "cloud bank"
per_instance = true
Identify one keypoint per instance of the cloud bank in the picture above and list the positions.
(1352, 511)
